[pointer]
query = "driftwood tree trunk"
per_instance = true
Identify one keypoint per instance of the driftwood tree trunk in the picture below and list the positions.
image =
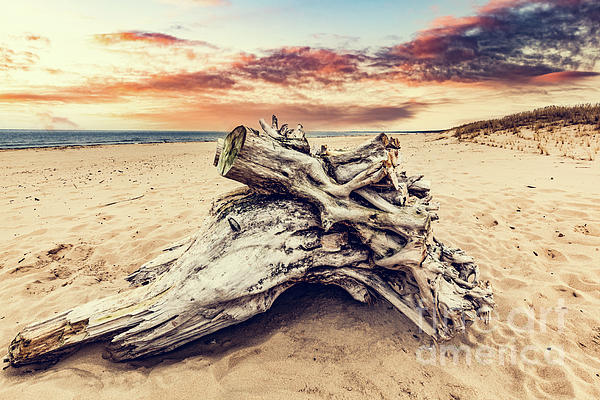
(351, 219)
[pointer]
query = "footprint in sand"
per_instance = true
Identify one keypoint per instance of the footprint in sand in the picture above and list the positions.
(596, 336)
(486, 220)
(222, 368)
(554, 381)
(555, 255)
(58, 252)
(588, 230)
(578, 282)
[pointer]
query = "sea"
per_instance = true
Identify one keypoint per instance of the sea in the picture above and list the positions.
(28, 138)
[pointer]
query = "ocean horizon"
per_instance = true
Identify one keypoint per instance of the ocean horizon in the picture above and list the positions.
(40, 138)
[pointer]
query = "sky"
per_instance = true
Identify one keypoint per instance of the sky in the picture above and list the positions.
(330, 65)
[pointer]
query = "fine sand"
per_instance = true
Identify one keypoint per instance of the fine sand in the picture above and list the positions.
(532, 222)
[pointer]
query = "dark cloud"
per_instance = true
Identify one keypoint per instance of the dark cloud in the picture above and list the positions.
(183, 82)
(353, 114)
(324, 115)
(507, 41)
(299, 65)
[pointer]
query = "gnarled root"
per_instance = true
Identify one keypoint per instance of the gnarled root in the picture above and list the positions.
(352, 219)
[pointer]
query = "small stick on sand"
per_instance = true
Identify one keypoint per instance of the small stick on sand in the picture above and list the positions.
(121, 201)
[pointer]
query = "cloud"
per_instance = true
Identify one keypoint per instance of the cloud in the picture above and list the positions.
(50, 122)
(507, 41)
(97, 92)
(154, 38)
(299, 65)
(22, 53)
(188, 96)
(563, 76)
(37, 38)
(510, 43)
(16, 59)
(312, 115)
(495, 5)
(78, 95)
(187, 81)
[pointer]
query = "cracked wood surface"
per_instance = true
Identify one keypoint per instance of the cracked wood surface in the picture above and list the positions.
(352, 219)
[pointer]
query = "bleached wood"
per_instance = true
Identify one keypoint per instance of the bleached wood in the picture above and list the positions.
(352, 219)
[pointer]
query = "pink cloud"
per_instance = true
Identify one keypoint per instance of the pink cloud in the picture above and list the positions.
(563, 76)
(51, 122)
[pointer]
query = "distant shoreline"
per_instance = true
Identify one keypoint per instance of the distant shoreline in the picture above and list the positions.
(77, 146)
(21, 139)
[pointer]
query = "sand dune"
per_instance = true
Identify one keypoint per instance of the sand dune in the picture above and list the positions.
(578, 142)
(531, 221)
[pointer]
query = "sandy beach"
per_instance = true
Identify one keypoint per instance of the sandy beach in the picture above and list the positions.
(76, 221)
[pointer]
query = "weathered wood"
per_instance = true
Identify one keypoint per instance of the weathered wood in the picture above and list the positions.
(352, 219)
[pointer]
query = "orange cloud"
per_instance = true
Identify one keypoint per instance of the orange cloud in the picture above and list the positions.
(96, 92)
(155, 38)
(37, 38)
(16, 60)
(66, 95)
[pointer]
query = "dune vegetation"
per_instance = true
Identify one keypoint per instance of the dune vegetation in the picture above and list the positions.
(572, 132)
